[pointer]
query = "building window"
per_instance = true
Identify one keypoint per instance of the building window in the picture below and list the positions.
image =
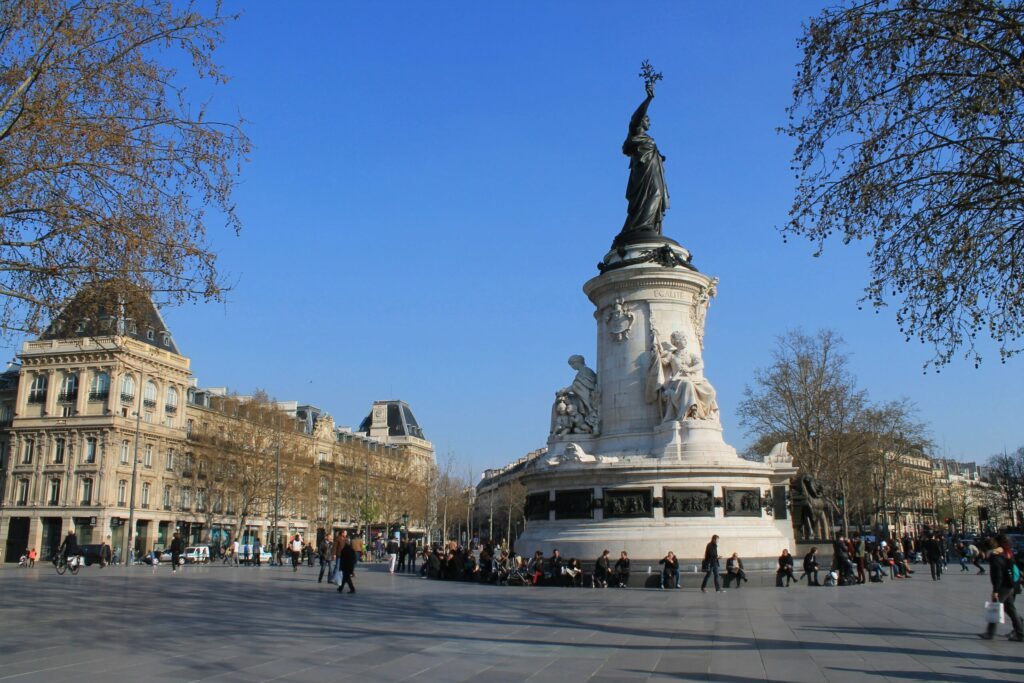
(54, 498)
(124, 452)
(122, 491)
(58, 451)
(87, 491)
(201, 500)
(145, 494)
(324, 457)
(69, 388)
(170, 458)
(128, 389)
(189, 426)
(167, 498)
(90, 449)
(186, 498)
(150, 334)
(149, 397)
(23, 492)
(27, 451)
(6, 414)
(165, 338)
(171, 400)
(147, 456)
(230, 504)
(99, 390)
(37, 392)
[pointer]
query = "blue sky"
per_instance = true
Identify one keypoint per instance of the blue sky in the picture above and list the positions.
(432, 184)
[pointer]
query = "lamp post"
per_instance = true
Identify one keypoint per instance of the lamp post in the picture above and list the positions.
(405, 524)
(129, 550)
(277, 499)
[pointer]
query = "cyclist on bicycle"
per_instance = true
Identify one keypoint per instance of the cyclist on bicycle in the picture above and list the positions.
(69, 546)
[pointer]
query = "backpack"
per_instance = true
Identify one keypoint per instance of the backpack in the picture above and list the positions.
(1015, 573)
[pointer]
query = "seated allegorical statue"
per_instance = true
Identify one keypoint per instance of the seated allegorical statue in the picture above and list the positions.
(575, 410)
(675, 380)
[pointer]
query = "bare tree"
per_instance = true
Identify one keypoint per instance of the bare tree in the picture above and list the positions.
(1008, 476)
(107, 170)
(908, 117)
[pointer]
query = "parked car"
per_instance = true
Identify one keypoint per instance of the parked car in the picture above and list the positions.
(197, 554)
(245, 554)
(95, 553)
(165, 556)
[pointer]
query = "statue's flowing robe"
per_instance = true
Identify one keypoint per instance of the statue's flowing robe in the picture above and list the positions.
(646, 191)
(684, 393)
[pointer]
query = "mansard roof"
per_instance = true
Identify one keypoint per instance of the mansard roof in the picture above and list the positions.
(401, 421)
(112, 308)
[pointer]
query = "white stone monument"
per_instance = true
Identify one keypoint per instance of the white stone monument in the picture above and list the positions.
(636, 457)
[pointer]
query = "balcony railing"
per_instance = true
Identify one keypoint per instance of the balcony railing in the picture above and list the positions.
(99, 395)
(170, 409)
(127, 398)
(68, 396)
(149, 403)
(37, 398)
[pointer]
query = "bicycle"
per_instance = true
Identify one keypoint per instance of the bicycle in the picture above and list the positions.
(62, 564)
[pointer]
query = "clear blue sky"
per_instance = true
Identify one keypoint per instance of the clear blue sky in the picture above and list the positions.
(433, 183)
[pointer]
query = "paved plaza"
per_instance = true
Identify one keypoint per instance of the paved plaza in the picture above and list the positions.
(225, 624)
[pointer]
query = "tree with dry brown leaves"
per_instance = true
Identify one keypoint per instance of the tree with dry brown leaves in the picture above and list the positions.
(107, 170)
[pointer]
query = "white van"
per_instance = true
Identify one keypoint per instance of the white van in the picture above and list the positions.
(196, 554)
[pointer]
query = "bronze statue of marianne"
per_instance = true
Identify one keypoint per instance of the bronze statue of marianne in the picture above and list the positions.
(646, 191)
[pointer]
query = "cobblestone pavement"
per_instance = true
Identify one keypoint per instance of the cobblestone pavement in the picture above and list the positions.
(225, 624)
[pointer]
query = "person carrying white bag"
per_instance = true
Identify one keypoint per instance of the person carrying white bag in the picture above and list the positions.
(1005, 578)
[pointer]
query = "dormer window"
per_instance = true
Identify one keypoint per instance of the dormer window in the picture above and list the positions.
(150, 334)
(165, 339)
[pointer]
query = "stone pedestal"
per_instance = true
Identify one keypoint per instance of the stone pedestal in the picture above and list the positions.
(656, 482)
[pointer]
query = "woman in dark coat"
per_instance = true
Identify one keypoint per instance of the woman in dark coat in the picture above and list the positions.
(785, 569)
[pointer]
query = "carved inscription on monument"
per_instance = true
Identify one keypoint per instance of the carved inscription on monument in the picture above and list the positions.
(576, 504)
(537, 506)
(628, 503)
(689, 502)
(743, 502)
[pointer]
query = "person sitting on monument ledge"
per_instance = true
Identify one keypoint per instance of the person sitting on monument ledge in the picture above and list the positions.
(811, 568)
(622, 570)
(536, 568)
(670, 570)
(734, 571)
(554, 567)
(602, 570)
(573, 573)
(785, 569)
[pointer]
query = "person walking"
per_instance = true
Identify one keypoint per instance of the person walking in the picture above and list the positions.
(859, 556)
(340, 541)
(392, 550)
(1004, 588)
(323, 553)
(411, 554)
(295, 550)
(234, 552)
(400, 567)
(257, 550)
(347, 565)
(177, 546)
(711, 565)
(933, 554)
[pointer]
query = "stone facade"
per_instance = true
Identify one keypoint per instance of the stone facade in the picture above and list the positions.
(81, 409)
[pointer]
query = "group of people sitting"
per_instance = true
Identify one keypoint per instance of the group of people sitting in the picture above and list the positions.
(453, 562)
